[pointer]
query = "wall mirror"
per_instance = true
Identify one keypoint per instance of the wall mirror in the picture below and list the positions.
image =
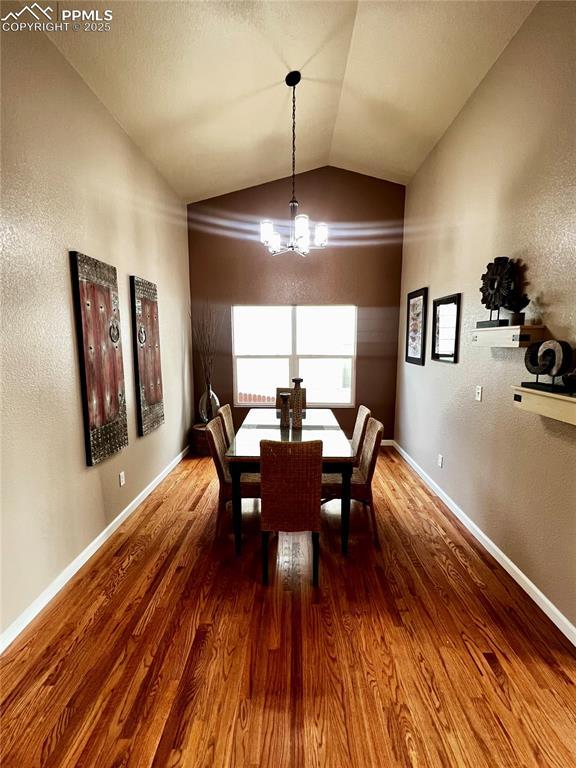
(446, 328)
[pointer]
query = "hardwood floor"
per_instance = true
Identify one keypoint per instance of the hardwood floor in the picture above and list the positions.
(165, 650)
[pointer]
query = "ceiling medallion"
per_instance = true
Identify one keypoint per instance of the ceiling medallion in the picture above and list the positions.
(299, 237)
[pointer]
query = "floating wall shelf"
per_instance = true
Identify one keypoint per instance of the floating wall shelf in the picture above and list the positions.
(549, 404)
(510, 336)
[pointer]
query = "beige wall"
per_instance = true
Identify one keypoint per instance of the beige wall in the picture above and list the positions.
(502, 181)
(72, 179)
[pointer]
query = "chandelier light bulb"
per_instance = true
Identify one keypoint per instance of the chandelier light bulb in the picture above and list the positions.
(303, 245)
(266, 231)
(275, 244)
(321, 235)
(301, 228)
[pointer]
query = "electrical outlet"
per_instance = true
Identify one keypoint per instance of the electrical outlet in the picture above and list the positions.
(479, 393)
(440, 460)
(121, 479)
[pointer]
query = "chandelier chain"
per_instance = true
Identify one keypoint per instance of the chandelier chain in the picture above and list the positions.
(294, 143)
(299, 238)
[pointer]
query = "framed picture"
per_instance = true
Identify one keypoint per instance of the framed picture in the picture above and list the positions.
(147, 364)
(446, 328)
(97, 313)
(416, 311)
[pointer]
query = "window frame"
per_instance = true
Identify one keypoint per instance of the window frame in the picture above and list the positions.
(294, 357)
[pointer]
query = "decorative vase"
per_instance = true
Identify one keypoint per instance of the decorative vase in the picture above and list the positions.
(208, 405)
(297, 404)
(284, 409)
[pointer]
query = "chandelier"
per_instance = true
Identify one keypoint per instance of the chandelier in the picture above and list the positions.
(299, 237)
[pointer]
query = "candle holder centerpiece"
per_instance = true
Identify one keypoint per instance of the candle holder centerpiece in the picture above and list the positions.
(284, 409)
(297, 398)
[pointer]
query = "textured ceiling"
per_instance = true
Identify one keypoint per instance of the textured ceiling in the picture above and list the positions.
(199, 86)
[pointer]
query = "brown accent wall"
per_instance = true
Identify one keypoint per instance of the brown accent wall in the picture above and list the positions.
(225, 271)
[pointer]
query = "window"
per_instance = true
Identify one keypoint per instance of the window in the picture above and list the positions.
(272, 345)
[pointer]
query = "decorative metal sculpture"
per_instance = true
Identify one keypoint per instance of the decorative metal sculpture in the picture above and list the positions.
(503, 287)
(550, 358)
(146, 341)
(97, 310)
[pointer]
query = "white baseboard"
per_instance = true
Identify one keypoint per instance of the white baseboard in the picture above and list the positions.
(563, 624)
(384, 443)
(12, 632)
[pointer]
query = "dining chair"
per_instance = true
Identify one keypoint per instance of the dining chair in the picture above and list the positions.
(360, 432)
(250, 483)
(361, 483)
(357, 439)
(291, 477)
(225, 413)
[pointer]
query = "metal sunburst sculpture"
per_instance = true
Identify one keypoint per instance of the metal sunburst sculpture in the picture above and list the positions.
(502, 287)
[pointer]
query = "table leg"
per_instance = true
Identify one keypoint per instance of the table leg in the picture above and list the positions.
(346, 477)
(236, 508)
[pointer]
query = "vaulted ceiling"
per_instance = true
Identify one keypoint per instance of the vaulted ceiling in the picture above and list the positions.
(199, 86)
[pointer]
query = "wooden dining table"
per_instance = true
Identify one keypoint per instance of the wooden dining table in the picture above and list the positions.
(243, 455)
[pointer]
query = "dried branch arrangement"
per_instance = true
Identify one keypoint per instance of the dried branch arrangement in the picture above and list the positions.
(205, 327)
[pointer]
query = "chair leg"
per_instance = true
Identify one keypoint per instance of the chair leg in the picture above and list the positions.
(220, 512)
(374, 524)
(315, 556)
(265, 539)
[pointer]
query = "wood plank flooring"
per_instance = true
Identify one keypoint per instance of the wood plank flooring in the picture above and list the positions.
(165, 650)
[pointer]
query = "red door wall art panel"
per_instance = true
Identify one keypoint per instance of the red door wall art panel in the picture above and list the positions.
(146, 342)
(97, 312)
